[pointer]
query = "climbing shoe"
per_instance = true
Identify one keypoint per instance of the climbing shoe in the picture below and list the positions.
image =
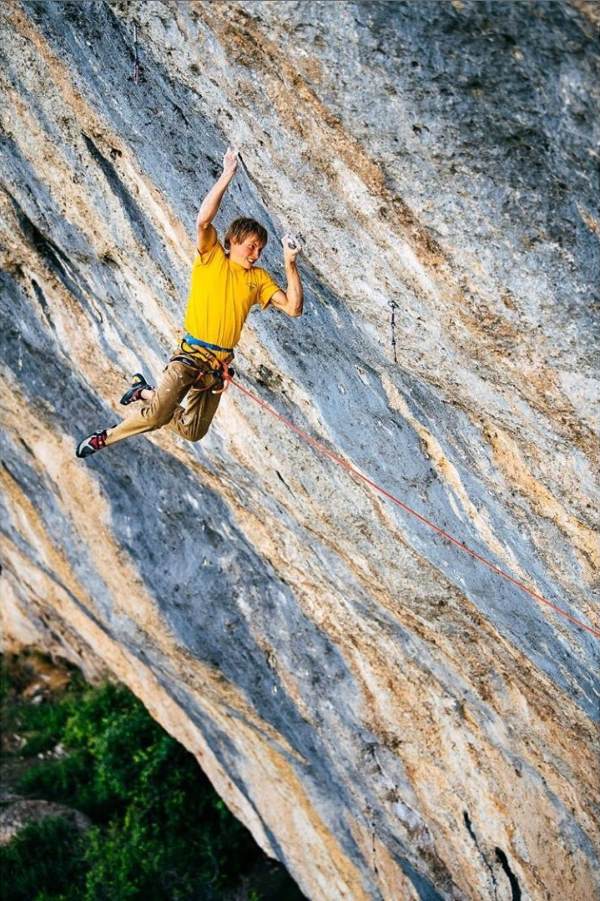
(91, 444)
(133, 393)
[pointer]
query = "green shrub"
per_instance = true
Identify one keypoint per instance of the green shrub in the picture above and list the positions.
(48, 856)
(160, 831)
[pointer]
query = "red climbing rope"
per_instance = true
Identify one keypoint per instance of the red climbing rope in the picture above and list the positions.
(463, 547)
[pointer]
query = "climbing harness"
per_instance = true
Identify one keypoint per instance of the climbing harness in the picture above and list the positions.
(196, 342)
(205, 362)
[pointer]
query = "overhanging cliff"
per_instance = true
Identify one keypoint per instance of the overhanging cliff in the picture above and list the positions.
(389, 717)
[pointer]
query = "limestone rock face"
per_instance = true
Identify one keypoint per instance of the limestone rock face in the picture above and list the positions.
(389, 717)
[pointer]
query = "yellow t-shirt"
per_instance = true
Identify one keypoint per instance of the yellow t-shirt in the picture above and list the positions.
(221, 295)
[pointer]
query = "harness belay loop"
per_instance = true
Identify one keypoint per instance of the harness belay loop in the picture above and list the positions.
(225, 376)
(205, 362)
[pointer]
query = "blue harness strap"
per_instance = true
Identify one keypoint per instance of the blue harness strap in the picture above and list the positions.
(189, 339)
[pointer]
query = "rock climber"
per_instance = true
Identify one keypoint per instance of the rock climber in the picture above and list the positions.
(225, 284)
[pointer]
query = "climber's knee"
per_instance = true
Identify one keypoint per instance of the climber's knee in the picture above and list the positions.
(198, 433)
(194, 423)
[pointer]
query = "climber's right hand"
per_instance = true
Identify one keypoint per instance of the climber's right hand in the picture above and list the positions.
(230, 161)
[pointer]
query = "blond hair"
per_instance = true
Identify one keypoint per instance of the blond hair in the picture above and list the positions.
(242, 228)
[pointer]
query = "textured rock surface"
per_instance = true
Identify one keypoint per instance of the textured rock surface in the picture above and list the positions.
(388, 717)
(16, 813)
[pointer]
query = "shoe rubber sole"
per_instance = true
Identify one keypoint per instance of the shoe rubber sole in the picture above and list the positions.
(138, 382)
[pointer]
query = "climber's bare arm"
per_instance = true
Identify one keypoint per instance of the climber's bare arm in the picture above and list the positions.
(290, 301)
(207, 234)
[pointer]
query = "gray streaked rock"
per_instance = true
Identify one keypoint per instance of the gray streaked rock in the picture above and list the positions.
(389, 718)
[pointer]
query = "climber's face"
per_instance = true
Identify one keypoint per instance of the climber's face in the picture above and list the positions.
(247, 252)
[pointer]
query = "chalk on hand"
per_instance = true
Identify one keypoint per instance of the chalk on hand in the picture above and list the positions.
(291, 241)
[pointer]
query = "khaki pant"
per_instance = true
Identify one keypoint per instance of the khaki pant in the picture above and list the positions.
(192, 421)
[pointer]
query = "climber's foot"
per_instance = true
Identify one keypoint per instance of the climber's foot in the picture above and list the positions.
(94, 442)
(134, 392)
